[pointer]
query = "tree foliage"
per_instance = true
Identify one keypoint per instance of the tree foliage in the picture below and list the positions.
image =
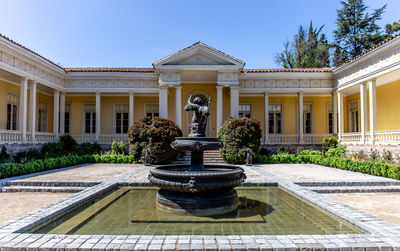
(356, 30)
(309, 49)
(392, 28)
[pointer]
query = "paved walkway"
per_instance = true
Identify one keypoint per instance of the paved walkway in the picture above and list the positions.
(385, 206)
(311, 172)
(13, 205)
(95, 172)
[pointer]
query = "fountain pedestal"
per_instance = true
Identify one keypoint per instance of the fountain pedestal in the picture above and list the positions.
(197, 189)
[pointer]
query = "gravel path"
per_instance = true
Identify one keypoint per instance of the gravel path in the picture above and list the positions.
(13, 205)
(311, 172)
(385, 206)
(94, 172)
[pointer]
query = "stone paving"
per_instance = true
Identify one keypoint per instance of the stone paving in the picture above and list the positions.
(312, 172)
(13, 205)
(380, 235)
(93, 172)
(385, 206)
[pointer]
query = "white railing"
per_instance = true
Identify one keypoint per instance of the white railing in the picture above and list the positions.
(10, 136)
(103, 138)
(351, 138)
(109, 138)
(287, 139)
(315, 138)
(387, 137)
(44, 137)
(84, 138)
(282, 139)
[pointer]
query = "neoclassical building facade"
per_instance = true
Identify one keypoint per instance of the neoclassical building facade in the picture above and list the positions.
(358, 101)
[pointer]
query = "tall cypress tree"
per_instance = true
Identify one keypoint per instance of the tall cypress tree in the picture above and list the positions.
(356, 30)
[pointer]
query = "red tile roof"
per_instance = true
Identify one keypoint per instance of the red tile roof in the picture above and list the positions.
(29, 50)
(288, 70)
(109, 69)
(373, 48)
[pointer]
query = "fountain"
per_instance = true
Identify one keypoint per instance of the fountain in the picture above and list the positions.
(197, 189)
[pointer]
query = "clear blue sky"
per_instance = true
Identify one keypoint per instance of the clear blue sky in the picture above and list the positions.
(77, 33)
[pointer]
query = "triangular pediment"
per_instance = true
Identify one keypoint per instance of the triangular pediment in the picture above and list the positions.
(198, 54)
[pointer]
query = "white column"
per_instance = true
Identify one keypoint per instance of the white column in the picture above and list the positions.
(98, 105)
(234, 101)
(340, 115)
(32, 111)
(372, 109)
(62, 113)
(266, 117)
(334, 114)
(178, 106)
(163, 101)
(363, 104)
(23, 107)
(131, 108)
(56, 105)
(219, 106)
(301, 117)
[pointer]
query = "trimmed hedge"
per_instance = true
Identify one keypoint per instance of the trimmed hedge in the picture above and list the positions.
(114, 158)
(15, 169)
(368, 167)
(236, 136)
(156, 134)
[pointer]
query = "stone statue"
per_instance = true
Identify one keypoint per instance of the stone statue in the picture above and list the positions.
(147, 161)
(200, 115)
(249, 158)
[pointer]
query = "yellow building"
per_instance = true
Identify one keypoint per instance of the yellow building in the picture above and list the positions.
(358, 101)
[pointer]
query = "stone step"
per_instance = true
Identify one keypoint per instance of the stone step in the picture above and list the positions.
(346, 183)
(12, 189)
(52, 183)
(356, 189)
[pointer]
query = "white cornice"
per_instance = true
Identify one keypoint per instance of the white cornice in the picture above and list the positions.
(32, 56)
(374, 53)
(286, 75)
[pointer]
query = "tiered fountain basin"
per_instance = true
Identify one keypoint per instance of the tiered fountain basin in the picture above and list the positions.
(197, 189)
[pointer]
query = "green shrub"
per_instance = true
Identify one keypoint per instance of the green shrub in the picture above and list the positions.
(118, 147)
(328, 143)
(370, 167)
(52, 149)
(67, 142)
(374, 154)
(236, 135)
(387, 156)
(4, 156)
(157, 134)
(339, 151)
(86, 148)
(308, 152)
(16, 169)
(23, 156)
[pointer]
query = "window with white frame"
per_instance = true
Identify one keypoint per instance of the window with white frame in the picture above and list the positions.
(244, 110)
(275, 118)
(353, 111)
(121, 116)
(307, 117)
(12, 111)
(151, 110)
(330, 117)
(42, 117)
(89, 112)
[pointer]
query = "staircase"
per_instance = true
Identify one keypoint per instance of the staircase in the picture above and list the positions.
(210, 157)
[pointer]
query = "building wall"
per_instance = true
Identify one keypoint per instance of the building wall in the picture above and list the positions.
(388, 105)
